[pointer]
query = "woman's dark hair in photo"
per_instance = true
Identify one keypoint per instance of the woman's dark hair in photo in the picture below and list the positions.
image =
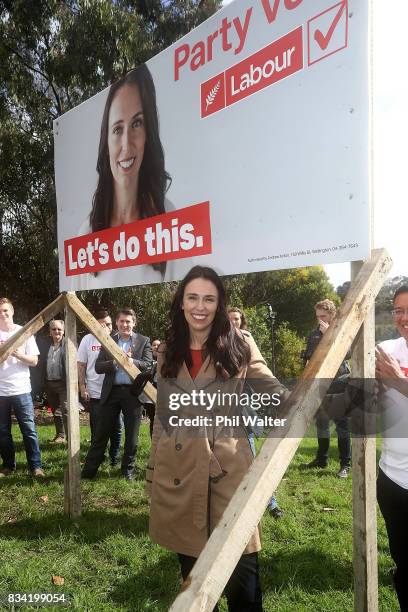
(153, 178)
(244, 324)
(226, 348)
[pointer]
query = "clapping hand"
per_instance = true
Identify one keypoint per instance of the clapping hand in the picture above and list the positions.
(386, 366)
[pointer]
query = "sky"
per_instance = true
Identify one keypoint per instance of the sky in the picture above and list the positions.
(390, 136)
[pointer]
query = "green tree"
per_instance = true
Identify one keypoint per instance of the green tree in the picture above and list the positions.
(259, 326)
(292, 294)
(289, 346)
(55, 54)
(151, 304)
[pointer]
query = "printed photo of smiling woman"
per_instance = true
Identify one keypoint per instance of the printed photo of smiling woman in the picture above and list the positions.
(132, 179)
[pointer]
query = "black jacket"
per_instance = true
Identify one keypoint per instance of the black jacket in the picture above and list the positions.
(142, 358)
(39, 373)
(343, 372)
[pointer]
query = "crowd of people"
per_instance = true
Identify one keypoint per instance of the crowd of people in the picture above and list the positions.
(192, 473)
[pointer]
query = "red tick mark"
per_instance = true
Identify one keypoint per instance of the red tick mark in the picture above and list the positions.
(323, 41)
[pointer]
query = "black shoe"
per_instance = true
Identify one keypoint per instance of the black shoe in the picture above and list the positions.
(276, 512)
(316, 463)
(114, 462)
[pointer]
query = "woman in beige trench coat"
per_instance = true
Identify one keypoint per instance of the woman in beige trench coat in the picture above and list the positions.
(199, 453)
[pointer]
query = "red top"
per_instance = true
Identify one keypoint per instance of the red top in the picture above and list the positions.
(197, 358)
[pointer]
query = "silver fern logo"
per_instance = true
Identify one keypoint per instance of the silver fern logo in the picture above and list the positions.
(212, 95)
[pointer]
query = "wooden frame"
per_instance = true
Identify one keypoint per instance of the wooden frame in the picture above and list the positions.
(73, 308)
(202, 589)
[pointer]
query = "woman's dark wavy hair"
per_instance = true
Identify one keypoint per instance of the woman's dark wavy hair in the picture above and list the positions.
(153, 178)
(227, 349)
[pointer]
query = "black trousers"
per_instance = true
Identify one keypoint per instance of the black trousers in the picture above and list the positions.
(120, 399)
(56, 391)
(393, 502)
(150, 411)
(115, 435)
(323, 438)
(243, 589)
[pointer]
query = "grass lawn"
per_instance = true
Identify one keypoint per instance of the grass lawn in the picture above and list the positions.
(108, 562)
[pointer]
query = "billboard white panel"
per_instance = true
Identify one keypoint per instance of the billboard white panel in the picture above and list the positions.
(263, 115)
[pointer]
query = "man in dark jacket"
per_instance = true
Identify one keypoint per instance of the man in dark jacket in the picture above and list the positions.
(51, 377)
(116, 396)
(325, 313)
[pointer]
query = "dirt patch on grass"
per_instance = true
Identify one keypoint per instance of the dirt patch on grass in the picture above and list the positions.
(43, 417)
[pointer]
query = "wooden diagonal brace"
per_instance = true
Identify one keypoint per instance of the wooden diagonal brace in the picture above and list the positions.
(108, 344)
(31, 327)
(206, 581)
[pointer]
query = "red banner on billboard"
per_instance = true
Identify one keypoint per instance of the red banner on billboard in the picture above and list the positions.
(175, 235)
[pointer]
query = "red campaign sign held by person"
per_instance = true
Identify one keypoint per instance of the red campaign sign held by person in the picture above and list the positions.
(182, 233)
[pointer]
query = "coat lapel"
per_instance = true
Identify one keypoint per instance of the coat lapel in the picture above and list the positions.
(135, 343)
(205, 376)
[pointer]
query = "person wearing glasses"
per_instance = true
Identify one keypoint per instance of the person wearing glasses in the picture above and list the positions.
(392, 484)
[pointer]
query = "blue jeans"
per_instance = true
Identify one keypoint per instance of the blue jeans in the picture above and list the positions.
(273, 502)
(24, 412)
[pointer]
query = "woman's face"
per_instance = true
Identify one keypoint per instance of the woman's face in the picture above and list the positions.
(235, 319)
(200, 303)
(126, 135)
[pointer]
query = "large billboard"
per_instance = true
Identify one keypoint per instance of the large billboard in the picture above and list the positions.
(243, 146)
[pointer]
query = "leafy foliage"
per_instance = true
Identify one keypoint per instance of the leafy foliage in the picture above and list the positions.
(260, 327)
(292, 293)
(289, 346)
(384, 324)
(54, 55)
(151, 304)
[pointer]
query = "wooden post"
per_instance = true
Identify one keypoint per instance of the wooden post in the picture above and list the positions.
(364, 477)
(74, 471)
(204, 585)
